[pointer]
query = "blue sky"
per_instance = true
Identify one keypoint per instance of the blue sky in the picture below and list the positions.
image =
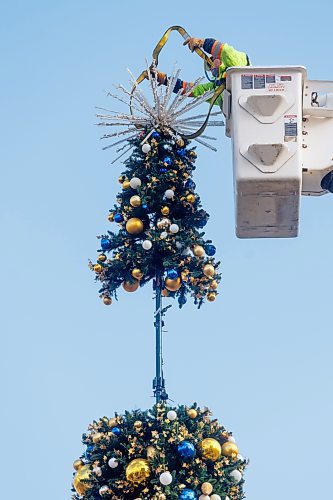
(259, 357)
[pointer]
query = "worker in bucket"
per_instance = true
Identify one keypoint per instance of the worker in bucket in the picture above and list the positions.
(223, 56)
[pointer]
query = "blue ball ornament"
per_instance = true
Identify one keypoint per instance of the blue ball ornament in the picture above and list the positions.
(144, 206)
(202, 223)
(155, 135)
(118, 218)
(105, 244)
(189, 184)
(172, 274)
(167, 160)
(181, 152)
(188, 494)
(116, 431)
(186, 450)
(210, 250)
(163, 170)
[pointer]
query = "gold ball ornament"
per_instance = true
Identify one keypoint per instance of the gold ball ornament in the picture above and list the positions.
(130, 286)
(98, 268)
(107, 301)
(101, 258)
(213, 285)
(137, 273)
(111, 217)
(78, 464)
(151, 452)
(97, 437)
(83, 474)
(209, 270)
(173, 285)
(138, 471)
(198, 251)
(211, 297)
(192, 413)
(126, 184)
(190, 198)
(180, 143)
(135, 201)
(211, 449)
(112, 422)
(229, 449)
(206, 488)
(134, 226)
(165, 211)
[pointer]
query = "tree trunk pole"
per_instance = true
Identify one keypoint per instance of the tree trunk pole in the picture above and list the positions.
(159, 382)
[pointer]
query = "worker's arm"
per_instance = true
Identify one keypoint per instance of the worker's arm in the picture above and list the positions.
(184, 87)
(217, 50)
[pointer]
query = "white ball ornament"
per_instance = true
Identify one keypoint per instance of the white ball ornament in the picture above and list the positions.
(146, 148)
(204, 497)
(179, 246)
(217, 497)
(166, 478)
(163, 235)
(174, 228)
(113, 463)
(172, 415)
(135, 183)
(169, 194)
(236, 476)
(147, 244)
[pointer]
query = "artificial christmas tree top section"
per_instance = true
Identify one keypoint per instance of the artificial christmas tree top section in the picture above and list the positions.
(158, 211)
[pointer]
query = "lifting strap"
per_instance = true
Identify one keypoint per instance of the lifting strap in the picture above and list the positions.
(207, 61)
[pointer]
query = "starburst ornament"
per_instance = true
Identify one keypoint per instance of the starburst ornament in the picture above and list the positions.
(171, 116)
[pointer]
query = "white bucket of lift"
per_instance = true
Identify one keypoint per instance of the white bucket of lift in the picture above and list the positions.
(263, 109)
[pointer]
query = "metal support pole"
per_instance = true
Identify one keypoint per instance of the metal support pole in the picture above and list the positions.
(159, 382)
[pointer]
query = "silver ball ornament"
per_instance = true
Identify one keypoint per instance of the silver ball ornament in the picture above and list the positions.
(113, 463)
(135, 183)
(236, 476)
(172, 415)
(147, 244)
(166, 478)
(163, 235)
(103, 490)
(217, 497)
(146, 148)
(169, 194)
(174, 228)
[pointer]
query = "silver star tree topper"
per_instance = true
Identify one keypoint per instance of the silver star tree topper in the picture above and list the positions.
(170, 116)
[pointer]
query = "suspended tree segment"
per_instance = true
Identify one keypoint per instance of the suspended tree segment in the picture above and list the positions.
(166, 452)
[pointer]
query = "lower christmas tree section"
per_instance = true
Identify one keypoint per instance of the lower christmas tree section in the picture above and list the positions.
(163, 453)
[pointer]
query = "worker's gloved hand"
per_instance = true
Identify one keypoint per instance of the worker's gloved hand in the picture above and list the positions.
(194, 43)
(160, 77)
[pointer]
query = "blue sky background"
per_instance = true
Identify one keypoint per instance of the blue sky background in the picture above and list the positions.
(260, 356)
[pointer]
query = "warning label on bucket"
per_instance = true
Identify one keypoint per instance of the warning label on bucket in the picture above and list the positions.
(290, 128)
